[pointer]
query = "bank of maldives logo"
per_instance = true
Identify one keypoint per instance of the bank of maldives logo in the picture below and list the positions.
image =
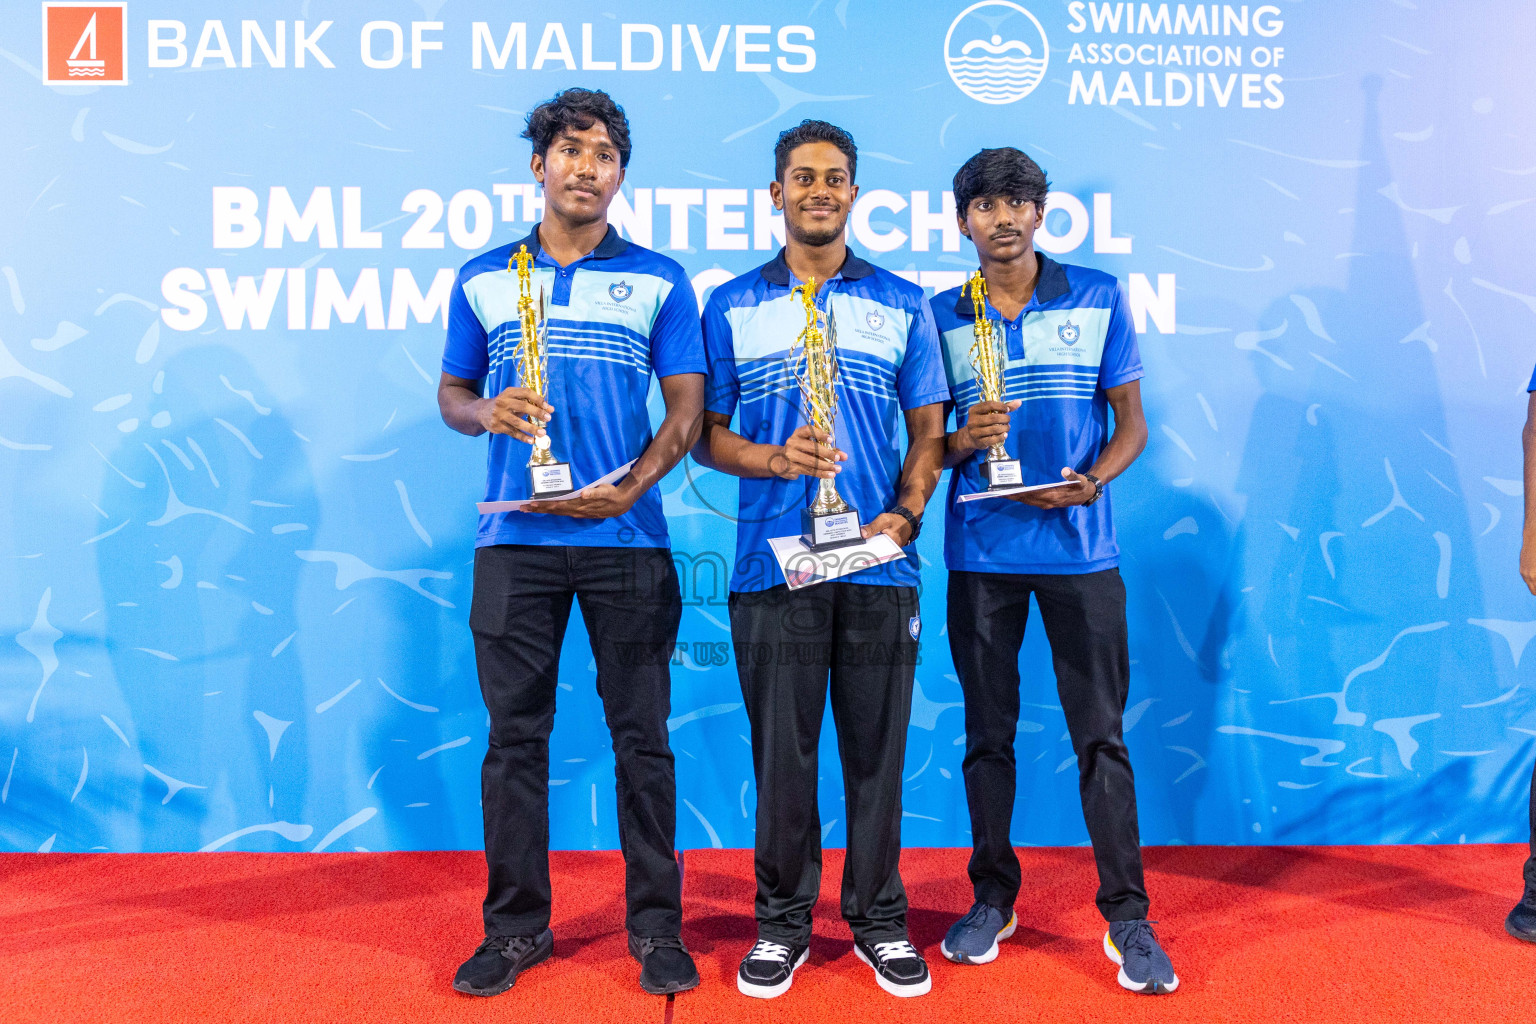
(85, 43)
(996, 52)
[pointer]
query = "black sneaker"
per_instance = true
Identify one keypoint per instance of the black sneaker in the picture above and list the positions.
(665, 966)
(499, 960)
(1521, 922)
(769, 969)
(899, 967)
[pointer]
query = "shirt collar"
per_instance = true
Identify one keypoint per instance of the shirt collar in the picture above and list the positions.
(776, 270)
(611, 245)
(1051, 285)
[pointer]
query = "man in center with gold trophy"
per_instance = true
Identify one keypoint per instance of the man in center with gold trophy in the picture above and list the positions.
(820, 356)
(1037, 354)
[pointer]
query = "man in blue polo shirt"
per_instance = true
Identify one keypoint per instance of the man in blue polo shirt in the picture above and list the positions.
(862, 629)
(616, 314)
(1070, 356)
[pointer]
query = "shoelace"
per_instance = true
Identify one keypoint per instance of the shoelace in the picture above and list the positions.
(650, 943)
(1140, 939)
(902, 950)
(509, 946)
(765, 950)
(976, 915)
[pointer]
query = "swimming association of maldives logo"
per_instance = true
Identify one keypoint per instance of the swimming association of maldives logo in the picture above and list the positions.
(1069, 332)
(620, 291)
(85, 43)
(996, 52)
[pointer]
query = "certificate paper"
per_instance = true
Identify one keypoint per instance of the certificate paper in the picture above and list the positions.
(1004, 492)
(803, 567)
(487, 507)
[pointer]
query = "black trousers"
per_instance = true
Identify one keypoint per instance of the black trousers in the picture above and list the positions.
(788, 646)
(631, 605)
(1085, 623)
(1530, 864)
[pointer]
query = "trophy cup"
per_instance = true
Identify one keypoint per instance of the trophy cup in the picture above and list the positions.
(547, 476)
(987, 358)
(830, 522)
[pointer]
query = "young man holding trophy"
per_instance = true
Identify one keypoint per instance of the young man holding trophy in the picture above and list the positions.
(819, 356)
(1036, 354)
(552, 342)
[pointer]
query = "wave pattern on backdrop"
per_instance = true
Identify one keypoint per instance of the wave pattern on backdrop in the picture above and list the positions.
(238, 540)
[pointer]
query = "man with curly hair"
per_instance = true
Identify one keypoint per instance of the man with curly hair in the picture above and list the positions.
(616, 314)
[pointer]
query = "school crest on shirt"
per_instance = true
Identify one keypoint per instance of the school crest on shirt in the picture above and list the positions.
(915, 626)
(1069, 332)
(620, 291)
(875, 319)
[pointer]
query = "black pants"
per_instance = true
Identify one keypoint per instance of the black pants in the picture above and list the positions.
(1530, 864)
(1085, 623)
(788, 644)
(631, 605)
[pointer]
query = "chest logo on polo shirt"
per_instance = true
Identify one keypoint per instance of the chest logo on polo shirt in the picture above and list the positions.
(875, 319)
(1069, 332)
(620, 291)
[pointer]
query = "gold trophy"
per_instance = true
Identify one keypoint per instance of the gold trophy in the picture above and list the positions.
(830, 522)
(547, 476)
(988, 358)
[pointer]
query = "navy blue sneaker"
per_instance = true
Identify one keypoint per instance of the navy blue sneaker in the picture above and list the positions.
(1521, 922)
(1144, 967)
(973, 939)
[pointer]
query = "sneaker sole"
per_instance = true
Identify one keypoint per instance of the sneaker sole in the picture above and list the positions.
(901, 991)
(497, 990)
(746, 988)
(990, 954)
(1151, 988)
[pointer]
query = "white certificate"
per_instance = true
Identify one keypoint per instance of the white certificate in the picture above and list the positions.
(487, 507)
(803, 567)
(1004, 492)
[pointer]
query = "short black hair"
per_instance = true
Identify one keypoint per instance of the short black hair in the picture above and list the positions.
(577, 110)
(811, 130)
(1000, 172)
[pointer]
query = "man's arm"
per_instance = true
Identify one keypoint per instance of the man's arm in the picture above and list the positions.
(511, 412)
(1125, 444)
(683, 394)
(919, 473)
(1528, 535)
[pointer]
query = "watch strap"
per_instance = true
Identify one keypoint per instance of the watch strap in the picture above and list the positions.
(911, 518)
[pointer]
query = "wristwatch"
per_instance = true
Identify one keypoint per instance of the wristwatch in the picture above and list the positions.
(1098, 489)
(912, 520)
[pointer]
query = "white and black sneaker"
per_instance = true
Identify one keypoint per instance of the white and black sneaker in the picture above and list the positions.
(769, 969)
(899, 967)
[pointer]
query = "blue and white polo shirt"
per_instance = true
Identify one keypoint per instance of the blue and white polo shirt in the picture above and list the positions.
(615, 316)
(1070, 344)
(889, 362)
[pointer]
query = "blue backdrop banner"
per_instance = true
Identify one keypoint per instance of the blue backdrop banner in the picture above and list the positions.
(237, 538)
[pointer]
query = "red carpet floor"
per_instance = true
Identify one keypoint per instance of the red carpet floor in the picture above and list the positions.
(1335, 935)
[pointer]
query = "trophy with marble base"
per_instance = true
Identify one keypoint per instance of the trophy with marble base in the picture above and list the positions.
(829, 522)
(548, 477)
(998, 469)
